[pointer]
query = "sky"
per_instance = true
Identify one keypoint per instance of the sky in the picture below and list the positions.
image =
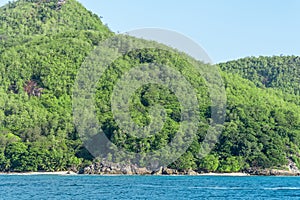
(226, 29)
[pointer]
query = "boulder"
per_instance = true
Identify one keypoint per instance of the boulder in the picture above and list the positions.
(143, 171)
(168, 171)
(158, 171)
(126, 169)
(191, 173)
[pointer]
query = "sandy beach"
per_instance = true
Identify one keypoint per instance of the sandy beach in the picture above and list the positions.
(225, 174)
(40, 173)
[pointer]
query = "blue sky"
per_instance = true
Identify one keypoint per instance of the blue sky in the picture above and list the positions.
(226, 29)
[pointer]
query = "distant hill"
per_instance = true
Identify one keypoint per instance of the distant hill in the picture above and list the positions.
(43, 44)
(280, 72)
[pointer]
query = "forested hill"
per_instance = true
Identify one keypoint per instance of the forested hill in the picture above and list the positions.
(31, 17)
(43, 44)
(282, 72)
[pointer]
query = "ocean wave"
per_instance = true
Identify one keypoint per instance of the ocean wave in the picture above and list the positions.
(283, 188)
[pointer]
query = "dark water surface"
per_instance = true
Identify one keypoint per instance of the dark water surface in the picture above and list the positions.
(148, 187)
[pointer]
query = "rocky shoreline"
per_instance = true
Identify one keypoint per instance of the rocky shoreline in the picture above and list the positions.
(108, 168)
(272, 172)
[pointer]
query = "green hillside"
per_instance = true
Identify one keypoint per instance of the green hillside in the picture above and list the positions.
(30, 17)
(42, 48)
(281, 72)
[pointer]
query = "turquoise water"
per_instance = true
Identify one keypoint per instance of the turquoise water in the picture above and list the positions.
(148, 187)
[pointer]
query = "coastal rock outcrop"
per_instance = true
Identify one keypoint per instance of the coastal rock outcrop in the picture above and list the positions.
(110, 168)
(272, 172)
(114, 168)
(292, 170)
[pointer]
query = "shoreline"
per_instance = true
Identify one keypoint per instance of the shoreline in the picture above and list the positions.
(238, 174)
(211, 174)
(64, 173)
(60, 173)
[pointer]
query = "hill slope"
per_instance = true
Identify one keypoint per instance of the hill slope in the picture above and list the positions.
(43, 51)
(29, 17)
(281, 72)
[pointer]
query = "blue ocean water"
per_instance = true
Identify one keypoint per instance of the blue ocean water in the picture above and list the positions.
(148, 187)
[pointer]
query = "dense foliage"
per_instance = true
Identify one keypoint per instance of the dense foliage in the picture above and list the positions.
(28, 17)
(280, 72)
(37, 133)
(42, 47)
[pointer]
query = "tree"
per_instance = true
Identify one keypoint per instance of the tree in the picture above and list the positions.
(209, 164)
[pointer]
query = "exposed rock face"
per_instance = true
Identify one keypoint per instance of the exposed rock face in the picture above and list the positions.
(109, 168)
(32, 89)
(272, 172)
(293, 167)
(129, 169)
(60, 3)
(292, 170)
(114, 168)
(158, 172)
(191, 173)
(275, 172)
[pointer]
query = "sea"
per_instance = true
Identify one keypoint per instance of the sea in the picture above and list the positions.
(147, 187)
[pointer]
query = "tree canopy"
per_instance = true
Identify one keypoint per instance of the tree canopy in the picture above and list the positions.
(44, 43)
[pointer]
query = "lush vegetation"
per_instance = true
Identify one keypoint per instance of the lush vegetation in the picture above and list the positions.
(28, 17)
(37, 133)
(280, 72)
(42, 48)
